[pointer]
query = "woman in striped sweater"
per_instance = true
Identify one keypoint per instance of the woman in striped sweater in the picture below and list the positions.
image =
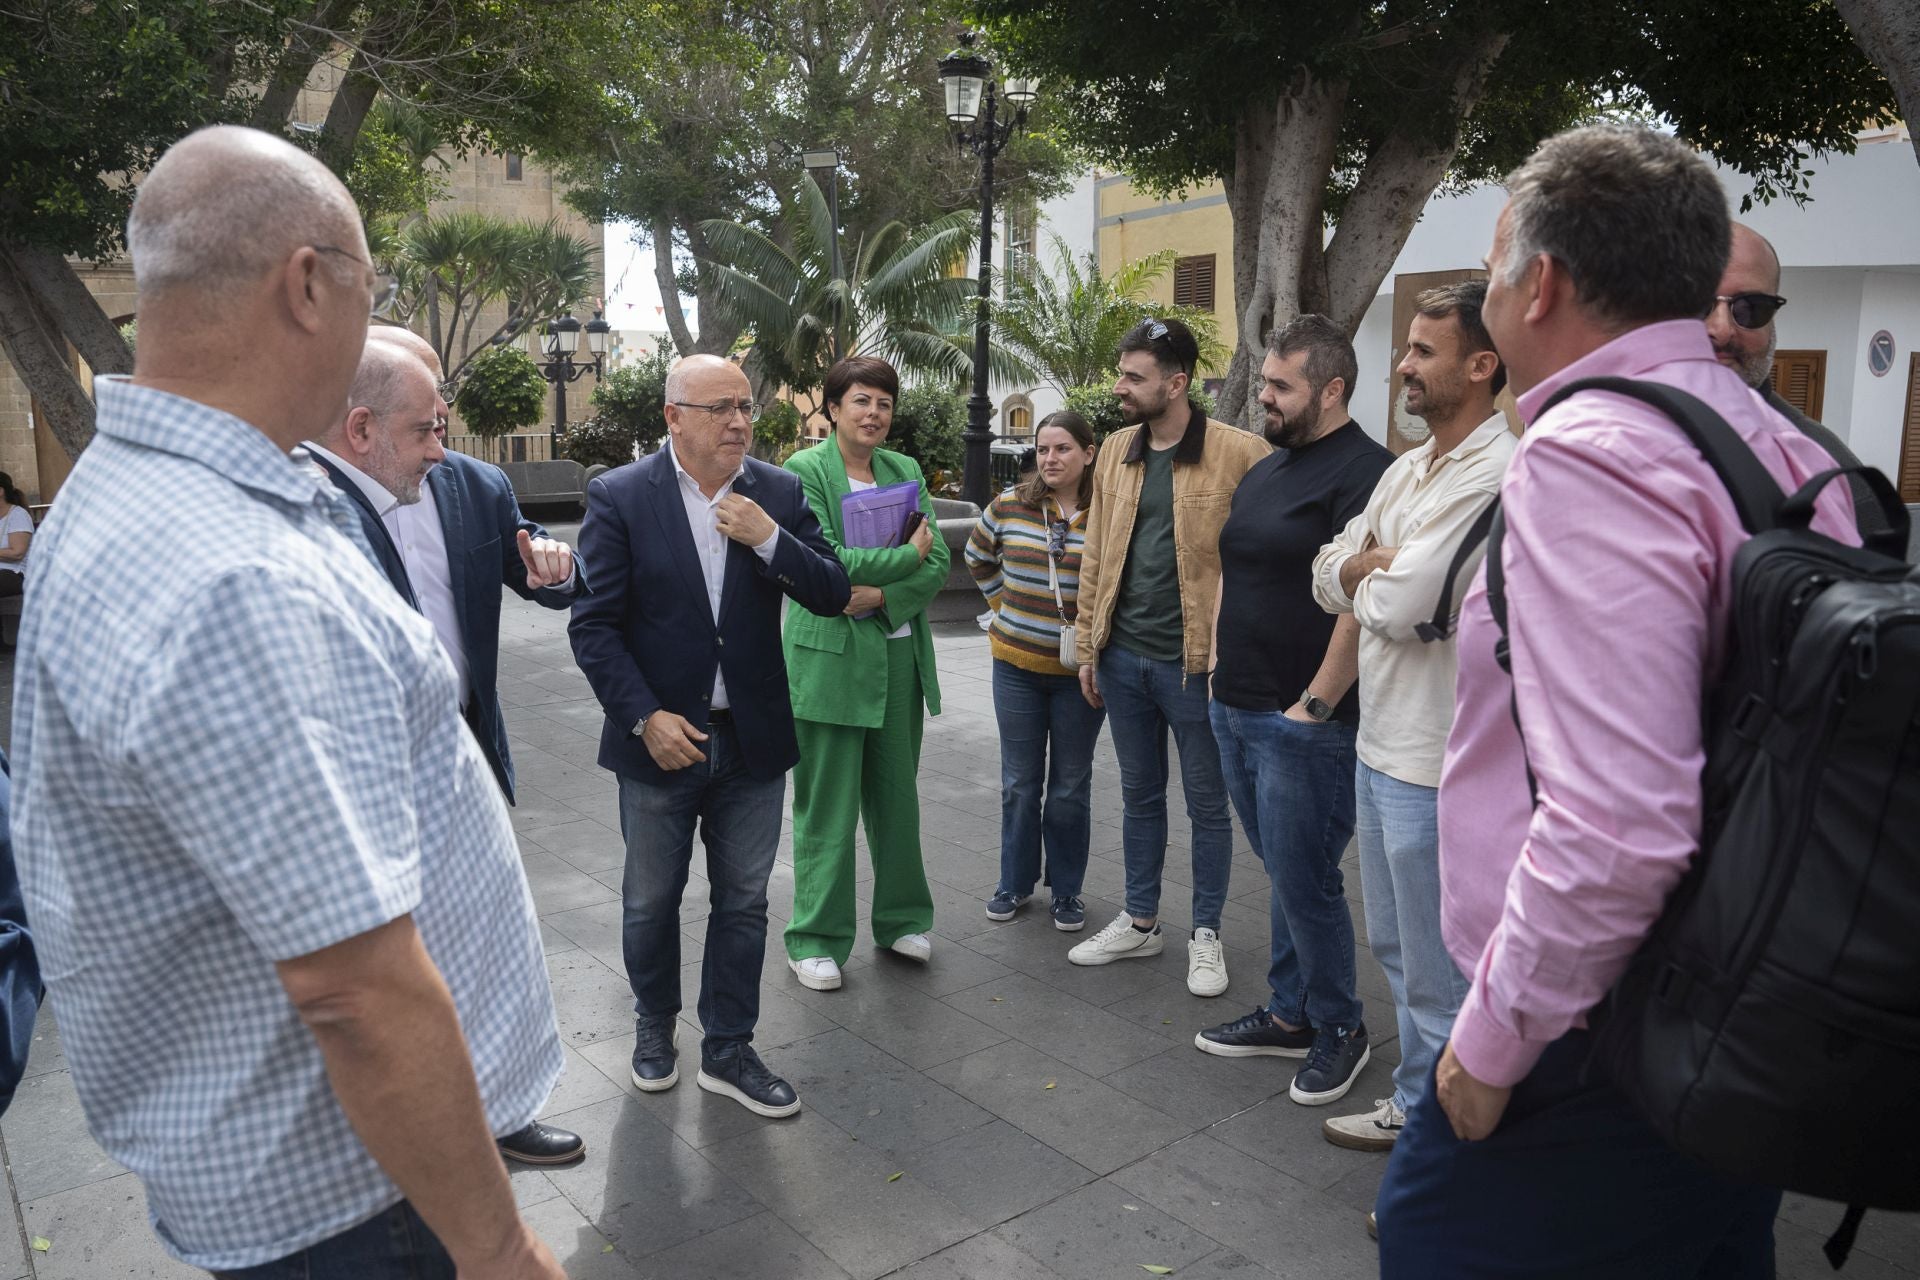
(1025, 554)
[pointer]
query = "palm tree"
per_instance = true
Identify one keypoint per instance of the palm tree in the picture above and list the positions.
(451, 267)
(1068, 325)
(904, 297)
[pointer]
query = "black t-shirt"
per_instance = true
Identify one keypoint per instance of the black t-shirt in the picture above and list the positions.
(1273, 633)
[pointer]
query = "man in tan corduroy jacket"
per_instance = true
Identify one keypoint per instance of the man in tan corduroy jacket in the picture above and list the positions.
(1148, 578)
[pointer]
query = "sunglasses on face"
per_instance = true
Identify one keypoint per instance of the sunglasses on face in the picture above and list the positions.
(1750, 310)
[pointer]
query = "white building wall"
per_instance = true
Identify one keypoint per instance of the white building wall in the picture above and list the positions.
(1889, 300)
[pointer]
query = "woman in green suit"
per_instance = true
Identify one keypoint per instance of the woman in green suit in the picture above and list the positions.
(862, 686)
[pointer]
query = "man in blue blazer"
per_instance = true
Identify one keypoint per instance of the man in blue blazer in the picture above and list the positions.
(693, 548)
(446, 531)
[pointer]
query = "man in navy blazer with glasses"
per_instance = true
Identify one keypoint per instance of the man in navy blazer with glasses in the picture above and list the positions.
(693, 549)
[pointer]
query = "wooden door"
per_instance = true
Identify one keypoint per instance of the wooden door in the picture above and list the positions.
(1405, 289)
(1910, 435)
(1800, 378)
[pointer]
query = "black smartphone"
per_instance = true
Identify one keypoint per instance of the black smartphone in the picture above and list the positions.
(914, 519)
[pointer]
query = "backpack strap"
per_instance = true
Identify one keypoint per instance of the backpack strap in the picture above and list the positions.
(1756, 495)
(1797, 511)
(1502, 652)
(1445, 609)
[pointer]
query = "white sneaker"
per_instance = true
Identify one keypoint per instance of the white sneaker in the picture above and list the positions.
(1376, 1130)
(1206, 964)
(914, 946)
(1118, 941)
(817, 972)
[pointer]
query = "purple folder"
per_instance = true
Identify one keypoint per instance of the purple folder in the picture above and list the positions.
(877, 517)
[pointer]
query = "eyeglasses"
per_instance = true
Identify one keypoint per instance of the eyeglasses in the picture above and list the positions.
(723, 409)
(386, 288)
(1750, 310)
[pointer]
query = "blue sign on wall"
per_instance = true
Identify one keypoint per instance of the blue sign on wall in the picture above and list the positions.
(1880, 354)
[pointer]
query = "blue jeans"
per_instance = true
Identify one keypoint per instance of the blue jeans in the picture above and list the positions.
(1398, 824)
(394, 1244)
(739, 820)
(1144, 699)
(1292, 784)
(1572, 1185)
(1047, 736)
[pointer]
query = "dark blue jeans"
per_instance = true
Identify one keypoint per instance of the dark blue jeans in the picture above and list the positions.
(1145, 698)
(1292, 784)
(394, 1244)
(1047, 735)
(738, 817)
(1572, 1185)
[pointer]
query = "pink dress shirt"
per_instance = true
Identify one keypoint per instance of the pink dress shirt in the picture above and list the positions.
(1620, 542)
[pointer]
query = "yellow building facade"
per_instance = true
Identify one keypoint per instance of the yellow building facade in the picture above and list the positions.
(1196, 225)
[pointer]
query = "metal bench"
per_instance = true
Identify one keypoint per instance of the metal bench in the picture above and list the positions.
(562, 480)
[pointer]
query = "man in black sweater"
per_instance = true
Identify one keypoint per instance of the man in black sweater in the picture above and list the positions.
(1284, 709)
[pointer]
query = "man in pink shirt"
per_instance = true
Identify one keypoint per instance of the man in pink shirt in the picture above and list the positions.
(1618, 554)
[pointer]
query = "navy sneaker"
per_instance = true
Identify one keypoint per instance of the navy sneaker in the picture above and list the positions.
(737, 1073)
(1332, 1066)
(1002, 905)
(655, 1064)
(1069, 914)
(1256, 1035)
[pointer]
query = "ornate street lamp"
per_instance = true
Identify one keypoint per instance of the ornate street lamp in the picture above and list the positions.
(972, 99)
(826, 161)
(558, 343)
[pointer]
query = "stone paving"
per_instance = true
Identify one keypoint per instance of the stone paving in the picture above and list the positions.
(996, 1114)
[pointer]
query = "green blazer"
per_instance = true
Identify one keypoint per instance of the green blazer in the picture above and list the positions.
(831, 661)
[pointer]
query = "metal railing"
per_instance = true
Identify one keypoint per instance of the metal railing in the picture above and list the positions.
(519, 448)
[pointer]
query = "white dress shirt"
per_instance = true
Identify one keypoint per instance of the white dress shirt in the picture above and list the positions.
(711, 546)
(422, 543)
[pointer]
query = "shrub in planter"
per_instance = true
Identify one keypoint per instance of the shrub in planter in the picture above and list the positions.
(600, 441)
(634, 398)
(502, 392)
(929, 426)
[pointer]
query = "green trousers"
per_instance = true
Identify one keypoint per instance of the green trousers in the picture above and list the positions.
(848, 774)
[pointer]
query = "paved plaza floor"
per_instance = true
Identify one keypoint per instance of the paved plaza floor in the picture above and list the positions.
(997, 1114)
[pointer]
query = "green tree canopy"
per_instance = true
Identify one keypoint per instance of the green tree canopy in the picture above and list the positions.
(1360, 110)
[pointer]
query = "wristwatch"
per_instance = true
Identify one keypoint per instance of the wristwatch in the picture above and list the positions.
(1316, 707)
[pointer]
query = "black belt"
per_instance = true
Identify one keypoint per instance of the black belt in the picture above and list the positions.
(720, 715)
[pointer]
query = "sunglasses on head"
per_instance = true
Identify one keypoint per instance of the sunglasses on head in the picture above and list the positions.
(1156, 330)
(1750, 310)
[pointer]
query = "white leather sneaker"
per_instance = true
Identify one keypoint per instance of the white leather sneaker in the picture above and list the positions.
(1119, 941)
(914, 946)
(818, 972)
(1206, 964)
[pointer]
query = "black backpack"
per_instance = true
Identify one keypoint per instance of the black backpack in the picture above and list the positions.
(1776, 1003)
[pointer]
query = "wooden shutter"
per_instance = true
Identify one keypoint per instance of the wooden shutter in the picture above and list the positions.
(1193, 282)
(1910, 436)
(1801, 379)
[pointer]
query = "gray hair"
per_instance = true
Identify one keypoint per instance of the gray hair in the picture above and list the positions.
(1329, 352)
(226, 205)
(1636, 218)
(683, 370)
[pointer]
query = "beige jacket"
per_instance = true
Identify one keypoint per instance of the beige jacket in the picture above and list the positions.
(1208, 464)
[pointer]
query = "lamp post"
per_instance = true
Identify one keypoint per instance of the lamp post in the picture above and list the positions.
(559, 343)
(972, 102)
(827, 160)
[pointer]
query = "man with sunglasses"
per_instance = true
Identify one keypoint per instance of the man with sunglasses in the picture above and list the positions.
(1742, 330)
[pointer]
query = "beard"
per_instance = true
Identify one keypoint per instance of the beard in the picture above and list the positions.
(385, 467)
(1142, 411)
(1291, 433)
(1754, 367)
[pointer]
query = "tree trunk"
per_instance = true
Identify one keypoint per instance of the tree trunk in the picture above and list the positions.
(351, 103)
(1399, 179)
(1889, 32)
(1280, 180)
(64, 296)
(304, 50)
(717, 336)
(37, 350)
(662, 232)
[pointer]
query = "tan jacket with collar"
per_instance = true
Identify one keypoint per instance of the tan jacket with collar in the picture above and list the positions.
(1208, 464)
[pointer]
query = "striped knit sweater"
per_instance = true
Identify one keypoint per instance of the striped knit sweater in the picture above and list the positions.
(1007, 556)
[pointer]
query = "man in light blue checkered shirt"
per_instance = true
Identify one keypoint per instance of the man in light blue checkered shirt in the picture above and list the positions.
(279, 905)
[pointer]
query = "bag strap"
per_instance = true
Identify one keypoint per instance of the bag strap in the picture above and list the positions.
(1797, 511)
(1756, 495)
(1444, 611)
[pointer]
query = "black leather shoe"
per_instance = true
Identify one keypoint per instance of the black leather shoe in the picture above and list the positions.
(655, 1064)
(543, 1144)
(739, 1074)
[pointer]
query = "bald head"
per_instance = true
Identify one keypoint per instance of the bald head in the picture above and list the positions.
(689, 370)
(1752, 267)
(225, 206)
(404, 339)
